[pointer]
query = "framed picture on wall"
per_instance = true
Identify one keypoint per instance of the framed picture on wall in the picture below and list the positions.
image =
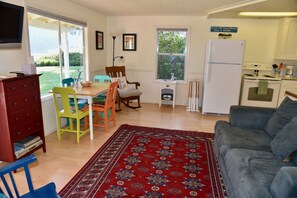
(99, 40)
(129, 42)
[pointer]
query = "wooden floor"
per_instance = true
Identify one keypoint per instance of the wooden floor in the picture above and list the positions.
(64, 159)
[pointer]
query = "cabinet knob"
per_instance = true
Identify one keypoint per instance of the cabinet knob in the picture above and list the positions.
(27, 114)
(167, 85)
(24, 85)
(29, 128)
(18, 133)
(26, 100)
(16, 118)
(12, 88)
(14, 104)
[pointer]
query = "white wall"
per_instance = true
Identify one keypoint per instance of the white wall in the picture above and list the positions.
(13, 59)
(260, 36)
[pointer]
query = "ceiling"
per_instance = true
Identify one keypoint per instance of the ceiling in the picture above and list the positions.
(209, 8)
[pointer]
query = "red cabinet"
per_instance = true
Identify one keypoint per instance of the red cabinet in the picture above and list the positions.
(20, 113)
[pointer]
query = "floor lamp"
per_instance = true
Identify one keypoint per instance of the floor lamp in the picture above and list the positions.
(113, 47)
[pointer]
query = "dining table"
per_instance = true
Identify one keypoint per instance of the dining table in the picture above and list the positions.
(95, 89)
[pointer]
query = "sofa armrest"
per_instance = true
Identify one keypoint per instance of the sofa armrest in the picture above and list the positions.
(250, 117)
(285, 183)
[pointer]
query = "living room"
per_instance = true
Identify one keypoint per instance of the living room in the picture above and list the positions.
(61, 162)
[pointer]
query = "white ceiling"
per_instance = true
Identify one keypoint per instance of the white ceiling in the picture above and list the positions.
(210, 8)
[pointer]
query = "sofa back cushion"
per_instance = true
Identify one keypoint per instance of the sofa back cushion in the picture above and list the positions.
(283, 115)
(285, 142)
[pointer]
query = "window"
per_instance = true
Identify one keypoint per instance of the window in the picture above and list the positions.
(171, 53)
(57, 49)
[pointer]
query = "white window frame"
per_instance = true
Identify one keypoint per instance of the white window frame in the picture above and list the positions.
(68, 20)
(187, 51)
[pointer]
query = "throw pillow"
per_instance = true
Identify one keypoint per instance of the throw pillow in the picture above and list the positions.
(283, 115)
(285, 142)
(121, 81)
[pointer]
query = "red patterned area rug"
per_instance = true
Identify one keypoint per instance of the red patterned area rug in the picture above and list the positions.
(150, 162)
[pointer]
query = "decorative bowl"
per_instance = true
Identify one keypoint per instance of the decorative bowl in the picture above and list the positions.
(86, 83)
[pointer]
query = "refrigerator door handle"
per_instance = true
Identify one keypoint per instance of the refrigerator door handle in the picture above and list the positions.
(208, 60)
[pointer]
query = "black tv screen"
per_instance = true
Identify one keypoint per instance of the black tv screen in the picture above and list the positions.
(11, 23)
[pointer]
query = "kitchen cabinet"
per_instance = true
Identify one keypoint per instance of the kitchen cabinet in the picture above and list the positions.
(287, 85)
(286, 44)
(20, 114)
(167, 93)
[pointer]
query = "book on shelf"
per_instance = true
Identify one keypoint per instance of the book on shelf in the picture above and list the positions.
(20, 151)
(27, 141)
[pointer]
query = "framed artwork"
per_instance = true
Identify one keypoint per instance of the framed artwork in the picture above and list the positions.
(99, 40)
(129, 42)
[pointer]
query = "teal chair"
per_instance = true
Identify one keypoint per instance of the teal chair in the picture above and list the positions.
(6, 172)
(101, 78)
(102, 97)
(67, 82)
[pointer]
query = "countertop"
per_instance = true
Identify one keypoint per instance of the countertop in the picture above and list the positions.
(288, 78)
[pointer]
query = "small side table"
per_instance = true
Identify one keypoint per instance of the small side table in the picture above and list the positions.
(167, 93)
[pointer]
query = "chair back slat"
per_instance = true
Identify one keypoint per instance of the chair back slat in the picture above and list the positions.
(116, 71)
(67, 82)
(65, 93)
(101, 78)
(8, 169)
(111, 95)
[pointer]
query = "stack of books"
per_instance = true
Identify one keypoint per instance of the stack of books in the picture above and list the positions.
(26, 145)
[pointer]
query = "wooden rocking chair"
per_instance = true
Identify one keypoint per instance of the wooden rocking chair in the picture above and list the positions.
(125, 93)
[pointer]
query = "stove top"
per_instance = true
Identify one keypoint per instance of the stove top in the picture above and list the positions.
(262, 77)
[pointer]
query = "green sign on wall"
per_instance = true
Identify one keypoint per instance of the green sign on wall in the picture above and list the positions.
(223, 29)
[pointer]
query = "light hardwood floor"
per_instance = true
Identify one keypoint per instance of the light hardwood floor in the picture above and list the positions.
(65, 158)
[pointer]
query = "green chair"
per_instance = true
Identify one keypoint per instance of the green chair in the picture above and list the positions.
(73, 113)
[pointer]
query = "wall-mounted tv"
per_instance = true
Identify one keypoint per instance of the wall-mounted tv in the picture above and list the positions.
(11, 25)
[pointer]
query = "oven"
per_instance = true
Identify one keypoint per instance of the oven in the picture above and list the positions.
(259, 87)
(250, 95)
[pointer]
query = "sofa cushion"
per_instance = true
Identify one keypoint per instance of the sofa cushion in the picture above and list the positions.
(285, 142)
(227, 136)
(285, 183)
(252, 172)
(283, 115)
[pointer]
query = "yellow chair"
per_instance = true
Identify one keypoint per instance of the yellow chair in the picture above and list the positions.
(105, 108)
(73, 113)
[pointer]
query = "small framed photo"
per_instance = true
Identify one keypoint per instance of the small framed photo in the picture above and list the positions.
(99, 40)
(129, 42)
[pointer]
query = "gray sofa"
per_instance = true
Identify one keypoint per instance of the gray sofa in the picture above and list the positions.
(256, 150)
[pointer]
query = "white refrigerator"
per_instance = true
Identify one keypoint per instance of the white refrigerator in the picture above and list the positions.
(222, 75)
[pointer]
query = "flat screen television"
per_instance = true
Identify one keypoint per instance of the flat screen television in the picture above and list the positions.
(11, 25)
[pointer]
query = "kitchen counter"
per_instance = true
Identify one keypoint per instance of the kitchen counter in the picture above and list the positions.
(288, 78)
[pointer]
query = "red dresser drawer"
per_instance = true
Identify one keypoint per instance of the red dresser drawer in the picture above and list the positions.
(28, 114)
(21, 86)
(18, 133)
(26, 100)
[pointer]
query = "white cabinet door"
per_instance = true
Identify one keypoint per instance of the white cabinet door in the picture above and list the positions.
(286, 46)
(286, 85)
